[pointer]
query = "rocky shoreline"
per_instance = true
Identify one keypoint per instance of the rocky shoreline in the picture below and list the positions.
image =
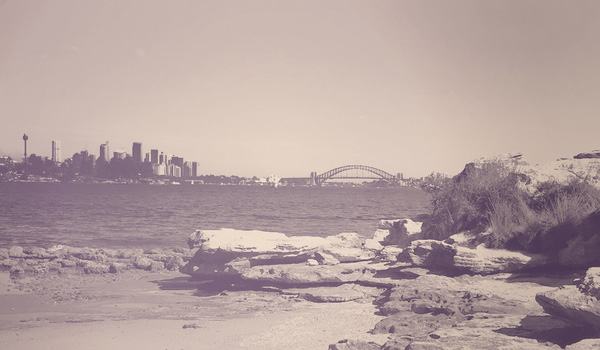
(429, 294)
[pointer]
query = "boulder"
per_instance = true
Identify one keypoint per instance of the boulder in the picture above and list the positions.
(429, 253)
(397, 232)
(216, 248)
(586, 344)
(578, 305)
(16, 252)
(457, 259)
(591, 283)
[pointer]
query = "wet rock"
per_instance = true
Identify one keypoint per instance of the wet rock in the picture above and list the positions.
(354, 345)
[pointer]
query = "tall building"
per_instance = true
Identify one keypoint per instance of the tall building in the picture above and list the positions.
(104, 155)
(177, 161)
(56, 158)
(187, 169)
(25, 138)
(136, 152)
(154, 156)
(194, 169)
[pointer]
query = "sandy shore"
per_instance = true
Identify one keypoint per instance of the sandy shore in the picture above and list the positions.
(165, 310)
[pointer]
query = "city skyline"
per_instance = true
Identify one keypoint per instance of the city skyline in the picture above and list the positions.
(292, 87)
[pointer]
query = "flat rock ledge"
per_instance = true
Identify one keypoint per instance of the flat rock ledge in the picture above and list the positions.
(576, 304)
(24, 261)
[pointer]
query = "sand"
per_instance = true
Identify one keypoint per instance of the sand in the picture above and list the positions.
(165, 310)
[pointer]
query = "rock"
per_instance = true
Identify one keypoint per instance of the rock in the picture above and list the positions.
(429, 253)
(347, 344)
(312, 262)
(574, 304)
(410, 325)
(586, 344)
(487, 261)
(389, 253)
(173, 263)
(4, 254)
(304, 274)
(338, 294)
(117, 267)
(38, 253)
(142, 263)
(326, 259)
(456, 259)
(397, 232)
(16, 252)
(95, 268)
(219, 247)
(156, 266)
(591, 283)
(17, 272)
(254, 242)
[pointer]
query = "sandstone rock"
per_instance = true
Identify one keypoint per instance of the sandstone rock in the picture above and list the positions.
(591, 283)
(173, 263)
(142, 263)
(397, 232)
(117, 267)
(95, 268)
(586, 344)
(457, 259)
(354, 345)
(312, 262)
(156, 266)
(326, 259)
(429, 253)
(487, 261)
(16, 252)
(257, 242)
(337, 294)
(4, 254)
(577, 305)
(304, 274)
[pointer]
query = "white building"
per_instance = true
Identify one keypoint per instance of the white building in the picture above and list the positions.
(56, 157)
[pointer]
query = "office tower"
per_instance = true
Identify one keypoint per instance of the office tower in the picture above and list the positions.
(147, 158)
(136, 152)
(177, 161)
(104, 155)
(56, 158)
(154, 156)
(187, 169)
(194, 169)
(161, 159)
(25, 138)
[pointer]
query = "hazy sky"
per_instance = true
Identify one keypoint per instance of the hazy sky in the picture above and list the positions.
(290, 87)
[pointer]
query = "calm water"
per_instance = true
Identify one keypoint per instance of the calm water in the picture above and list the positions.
(117, 216)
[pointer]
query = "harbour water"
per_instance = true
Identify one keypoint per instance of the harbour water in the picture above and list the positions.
(140, 215)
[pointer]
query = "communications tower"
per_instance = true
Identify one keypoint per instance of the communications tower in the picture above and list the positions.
(25, 138)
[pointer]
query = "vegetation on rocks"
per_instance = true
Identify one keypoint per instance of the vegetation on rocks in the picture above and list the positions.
(497, 197)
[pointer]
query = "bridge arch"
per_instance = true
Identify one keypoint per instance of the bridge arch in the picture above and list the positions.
(360, 172)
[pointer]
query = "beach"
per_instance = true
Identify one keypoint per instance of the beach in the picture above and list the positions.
(166, 310)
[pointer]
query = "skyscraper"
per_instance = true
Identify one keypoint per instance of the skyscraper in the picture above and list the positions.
(137, 152)
(154, 156)
(25, 138)
(56, 158)
(104, 155)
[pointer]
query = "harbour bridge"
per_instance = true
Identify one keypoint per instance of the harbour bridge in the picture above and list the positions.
(352, 172)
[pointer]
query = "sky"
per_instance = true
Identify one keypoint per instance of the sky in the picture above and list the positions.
(289, 87)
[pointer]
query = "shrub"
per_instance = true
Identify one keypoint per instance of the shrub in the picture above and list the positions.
(491, 195)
